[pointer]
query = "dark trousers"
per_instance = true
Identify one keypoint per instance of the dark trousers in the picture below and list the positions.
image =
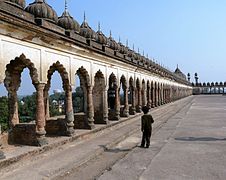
(146, 138)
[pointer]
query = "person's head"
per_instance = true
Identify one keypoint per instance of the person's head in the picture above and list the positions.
(145, 109)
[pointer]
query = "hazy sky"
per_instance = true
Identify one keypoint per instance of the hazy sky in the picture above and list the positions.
(191, 33)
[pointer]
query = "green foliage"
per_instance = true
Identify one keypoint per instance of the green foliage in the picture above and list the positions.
(27, 108)
(78, 100)
(4, 113)
(53, 109)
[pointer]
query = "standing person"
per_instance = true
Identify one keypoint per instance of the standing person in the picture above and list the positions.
(146, 127)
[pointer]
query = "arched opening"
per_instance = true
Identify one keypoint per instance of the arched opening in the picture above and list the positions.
(113, 98)
(13, 82)
(84, 116)
(4, 110)
(58, 103)
(78, 96)
(26, 98)
(124, 108)
(22, 107)
(98, 99)
(138, 96)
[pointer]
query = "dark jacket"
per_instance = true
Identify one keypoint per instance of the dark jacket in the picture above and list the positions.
(146, 122)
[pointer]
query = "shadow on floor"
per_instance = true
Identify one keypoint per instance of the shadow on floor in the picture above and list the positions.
(114, 150)
(199, 139)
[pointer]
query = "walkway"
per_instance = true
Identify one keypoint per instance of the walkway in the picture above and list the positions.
(69, 158)
(191, 145)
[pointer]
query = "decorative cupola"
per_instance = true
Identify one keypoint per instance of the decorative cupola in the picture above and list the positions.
(112, 43)
(131, 53)
(123, 49)
(40, 9)
(67, 22)
(101, 38)
(86, 31)
(18, 3)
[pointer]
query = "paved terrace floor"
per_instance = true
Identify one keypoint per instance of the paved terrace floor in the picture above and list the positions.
(191, 145)
(188, 142)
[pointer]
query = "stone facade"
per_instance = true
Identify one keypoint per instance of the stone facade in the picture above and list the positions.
(39, 44)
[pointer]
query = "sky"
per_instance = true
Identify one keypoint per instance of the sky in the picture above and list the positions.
(190, 33)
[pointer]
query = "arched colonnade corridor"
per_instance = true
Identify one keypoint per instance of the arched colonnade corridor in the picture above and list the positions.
(106, 96)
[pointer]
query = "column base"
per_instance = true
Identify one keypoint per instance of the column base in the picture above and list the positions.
(41, 141)
(138, 109)
(25, 134)
(132, 111)
(113, 115)
(2, 156)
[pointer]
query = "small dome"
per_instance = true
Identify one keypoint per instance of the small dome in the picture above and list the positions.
(112, 43)
(40, 9)
(101, 38)
(86, 31)
(20, 3)
(122, 49)
(67, 22)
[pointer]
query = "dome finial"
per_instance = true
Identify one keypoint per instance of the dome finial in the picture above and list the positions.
(143, 52)
(65, 5)
(84, 16)
(133, 47)
(127, 43)
(99, 29)
(138, 50)
(110, 34)
(119, 39)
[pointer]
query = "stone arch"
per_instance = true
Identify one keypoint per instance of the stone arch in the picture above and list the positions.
(84, 76)
(12, 83)
(100, 116)
(85, 116)
(63, 73)
(15, 68)
(57, 66)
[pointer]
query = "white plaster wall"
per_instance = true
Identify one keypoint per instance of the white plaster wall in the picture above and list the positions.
(43, 58)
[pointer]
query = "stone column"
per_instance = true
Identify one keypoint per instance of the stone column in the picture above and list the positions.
(105, 108)
(40, 114)
(153, 97)
(149, 97)
(139, 100)
(156, 96)
(13, 109)
(133, 111)
(126, 101)
(69, 112)
(90, 108)
(159, 96)
(144, 98)
(117, 104)
(46, 95)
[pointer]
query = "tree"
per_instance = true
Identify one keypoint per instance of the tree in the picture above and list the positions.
(4, 113)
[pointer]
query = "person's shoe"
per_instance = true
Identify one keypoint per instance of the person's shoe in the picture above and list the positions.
(147, 147)
(141, 146)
